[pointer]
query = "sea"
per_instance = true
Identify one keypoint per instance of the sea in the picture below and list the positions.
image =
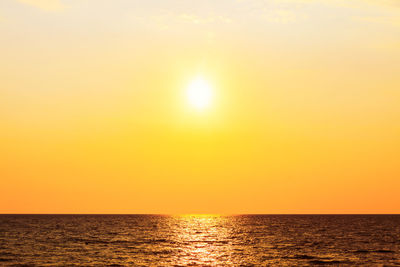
(199, 240)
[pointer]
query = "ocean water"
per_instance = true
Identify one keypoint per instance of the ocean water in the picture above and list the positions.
(156, 240)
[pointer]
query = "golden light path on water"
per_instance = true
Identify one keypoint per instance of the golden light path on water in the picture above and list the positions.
(205, 239)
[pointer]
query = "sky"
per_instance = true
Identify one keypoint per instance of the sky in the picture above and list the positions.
(304, 117)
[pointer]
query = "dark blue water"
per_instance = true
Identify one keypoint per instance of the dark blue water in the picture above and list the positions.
(247, 240)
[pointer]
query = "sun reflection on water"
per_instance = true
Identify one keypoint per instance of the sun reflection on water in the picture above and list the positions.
(204, 239)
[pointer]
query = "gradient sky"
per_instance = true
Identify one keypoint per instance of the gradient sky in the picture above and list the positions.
(305, 119)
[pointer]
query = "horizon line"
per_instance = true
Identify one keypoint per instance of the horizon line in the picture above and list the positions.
(200, 214)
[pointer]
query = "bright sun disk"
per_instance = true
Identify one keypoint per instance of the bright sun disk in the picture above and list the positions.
(199, 93)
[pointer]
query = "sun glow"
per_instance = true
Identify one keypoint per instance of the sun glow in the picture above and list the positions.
(199, 93)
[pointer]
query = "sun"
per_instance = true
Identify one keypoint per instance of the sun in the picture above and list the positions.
(199, 93)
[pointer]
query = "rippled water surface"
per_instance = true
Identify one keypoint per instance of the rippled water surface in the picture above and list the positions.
(247, 240)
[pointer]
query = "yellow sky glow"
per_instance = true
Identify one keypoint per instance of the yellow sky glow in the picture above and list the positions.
(103, 110)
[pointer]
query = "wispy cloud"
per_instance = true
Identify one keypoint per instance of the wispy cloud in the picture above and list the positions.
(47, 5)
(383, 12)
(196, 19)
(392, 3)
(390, 20)
(283, 15)
(377, 11)
(167, 19)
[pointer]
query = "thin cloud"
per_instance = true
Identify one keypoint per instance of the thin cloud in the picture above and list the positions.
(390, 20)
(388, 10)
(196, 19)
(47, 5)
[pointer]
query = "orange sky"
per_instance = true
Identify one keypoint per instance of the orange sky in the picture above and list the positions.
(305, 115)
